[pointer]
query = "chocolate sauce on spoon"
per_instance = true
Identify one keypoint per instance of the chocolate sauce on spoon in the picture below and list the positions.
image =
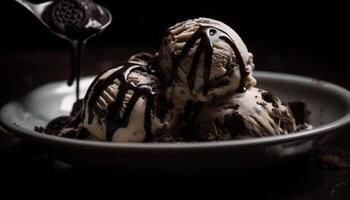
(76, 21)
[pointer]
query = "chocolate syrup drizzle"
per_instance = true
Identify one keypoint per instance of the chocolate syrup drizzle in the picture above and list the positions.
(206, 34)
(115, 119)
(71, 20)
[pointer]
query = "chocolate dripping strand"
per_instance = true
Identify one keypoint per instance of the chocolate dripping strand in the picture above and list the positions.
(92, 85)
(114, 118)
(203, 33)
(193, 71)
(205, 44)
(240, 62)
(100, 85)
(207, 61)
(177, 58)
(148, 115)
(89, 90)
(146, 90)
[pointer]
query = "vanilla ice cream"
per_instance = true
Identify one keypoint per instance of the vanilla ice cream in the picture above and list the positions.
(202, 58)
(254, 113)
(119, 105)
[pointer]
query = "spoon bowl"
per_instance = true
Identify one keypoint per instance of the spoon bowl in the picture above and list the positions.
(77, 43)
(39, 9)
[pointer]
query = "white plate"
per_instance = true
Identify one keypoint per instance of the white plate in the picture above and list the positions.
(330, 112)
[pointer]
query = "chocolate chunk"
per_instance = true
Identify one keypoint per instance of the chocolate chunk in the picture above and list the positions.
(77, 106)
(56, 125)
(163, 106)
(283, 118)
(230, 106)
(82, 133)
(235, 124)
(229, 69)
(211, 131)
(59, 123)
(270, 98)
(286, 123)
(191, 109)
(263, 104)
(39, 129)
(299, 111)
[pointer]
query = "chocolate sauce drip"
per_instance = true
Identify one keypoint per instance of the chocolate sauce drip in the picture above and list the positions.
(115, 119)
(239, 60)
(77, 51)
(191, 110)
(77, 21)
(206, 34)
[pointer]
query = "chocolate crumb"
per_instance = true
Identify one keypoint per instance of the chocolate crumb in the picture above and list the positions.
(235, 124)
(270, 98)
(230, 106)
(77, 106)
(263, 104)
(299, 111)
(59, 123)
(39, 129)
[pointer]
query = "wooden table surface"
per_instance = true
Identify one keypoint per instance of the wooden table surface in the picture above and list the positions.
(323, 174)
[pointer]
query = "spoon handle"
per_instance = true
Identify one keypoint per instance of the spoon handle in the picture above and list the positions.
(36, 9)
(30, 6)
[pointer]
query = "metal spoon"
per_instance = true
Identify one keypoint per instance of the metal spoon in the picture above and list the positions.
(38, 10)
(77, 45)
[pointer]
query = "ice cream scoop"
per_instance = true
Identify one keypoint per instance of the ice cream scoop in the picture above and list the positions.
(254, 113)
(203, 58)
(120, 104)
(199, 86)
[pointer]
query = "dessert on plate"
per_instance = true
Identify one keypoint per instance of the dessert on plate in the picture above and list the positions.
(198, 86)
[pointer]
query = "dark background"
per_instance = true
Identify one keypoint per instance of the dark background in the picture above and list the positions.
(299, 37)
(298, 24)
